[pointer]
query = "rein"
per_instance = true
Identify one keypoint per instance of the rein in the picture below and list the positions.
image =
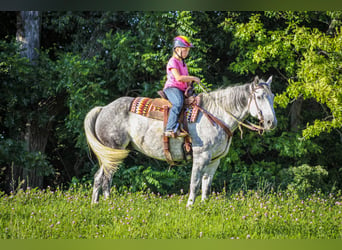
(250, 126)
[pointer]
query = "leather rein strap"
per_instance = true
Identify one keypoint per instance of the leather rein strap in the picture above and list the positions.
(214, 120)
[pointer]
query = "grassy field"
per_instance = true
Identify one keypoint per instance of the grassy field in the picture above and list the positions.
(46, 214)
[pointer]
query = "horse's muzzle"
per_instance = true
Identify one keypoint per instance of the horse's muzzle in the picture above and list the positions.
(270, 124)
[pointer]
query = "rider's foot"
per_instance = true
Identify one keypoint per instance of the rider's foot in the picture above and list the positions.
(170, 133)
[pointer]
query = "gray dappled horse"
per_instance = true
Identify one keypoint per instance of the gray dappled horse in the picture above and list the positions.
(113, 128)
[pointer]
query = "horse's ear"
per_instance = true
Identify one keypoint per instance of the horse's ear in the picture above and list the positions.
(256, 81)
(269, 81)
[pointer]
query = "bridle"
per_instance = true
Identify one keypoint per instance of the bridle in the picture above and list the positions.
(251, 126)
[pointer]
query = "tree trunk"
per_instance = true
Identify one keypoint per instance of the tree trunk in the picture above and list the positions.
(295, 114)
(28, 34)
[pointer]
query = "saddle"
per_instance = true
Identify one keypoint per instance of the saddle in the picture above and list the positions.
(155, 108)
(158, 109)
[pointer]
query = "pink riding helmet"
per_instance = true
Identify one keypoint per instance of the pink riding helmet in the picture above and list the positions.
(182, 41)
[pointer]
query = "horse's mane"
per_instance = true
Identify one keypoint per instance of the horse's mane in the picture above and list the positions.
(233, 98)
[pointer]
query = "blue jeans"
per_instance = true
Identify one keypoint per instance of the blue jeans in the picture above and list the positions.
(176, 97)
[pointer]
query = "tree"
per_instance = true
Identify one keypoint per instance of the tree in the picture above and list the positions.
(28, 35)
(306, 55)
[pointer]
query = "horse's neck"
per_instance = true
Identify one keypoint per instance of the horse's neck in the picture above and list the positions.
(232, 100)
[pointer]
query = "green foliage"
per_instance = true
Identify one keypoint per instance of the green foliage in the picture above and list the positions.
(304, 179)
(14, 153)
(251, 161)
(291, 146)
(142, 178)
(25, 94)
(308, 58)
(81, 80)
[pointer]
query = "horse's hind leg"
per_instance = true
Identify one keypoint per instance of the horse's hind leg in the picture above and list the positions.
(102, 180)
(98, 180)
(106, 183)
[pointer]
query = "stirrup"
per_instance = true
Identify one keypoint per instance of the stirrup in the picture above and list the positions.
(181, 133)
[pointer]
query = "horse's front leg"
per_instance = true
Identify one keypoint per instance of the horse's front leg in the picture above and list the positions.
(199, 163)
(207, 178)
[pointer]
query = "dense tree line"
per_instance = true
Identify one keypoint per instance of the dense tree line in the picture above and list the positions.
(84, 59)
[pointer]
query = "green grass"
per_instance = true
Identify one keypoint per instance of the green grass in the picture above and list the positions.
(46, 214)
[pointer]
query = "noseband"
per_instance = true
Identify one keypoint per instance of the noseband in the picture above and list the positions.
(251, 98)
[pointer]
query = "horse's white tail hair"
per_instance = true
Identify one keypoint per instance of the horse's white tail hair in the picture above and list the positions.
(109, 158)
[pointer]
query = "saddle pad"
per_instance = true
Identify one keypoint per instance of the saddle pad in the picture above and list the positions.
(154, 108)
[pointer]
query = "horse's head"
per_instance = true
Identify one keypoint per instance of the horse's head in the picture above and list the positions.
(261, 103)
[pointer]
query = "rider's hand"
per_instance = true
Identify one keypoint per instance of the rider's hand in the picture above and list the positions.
(196, 79)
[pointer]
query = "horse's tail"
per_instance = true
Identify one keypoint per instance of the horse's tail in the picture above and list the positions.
(109, 158)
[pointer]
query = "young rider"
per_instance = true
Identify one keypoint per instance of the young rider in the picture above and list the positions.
(177, 81)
